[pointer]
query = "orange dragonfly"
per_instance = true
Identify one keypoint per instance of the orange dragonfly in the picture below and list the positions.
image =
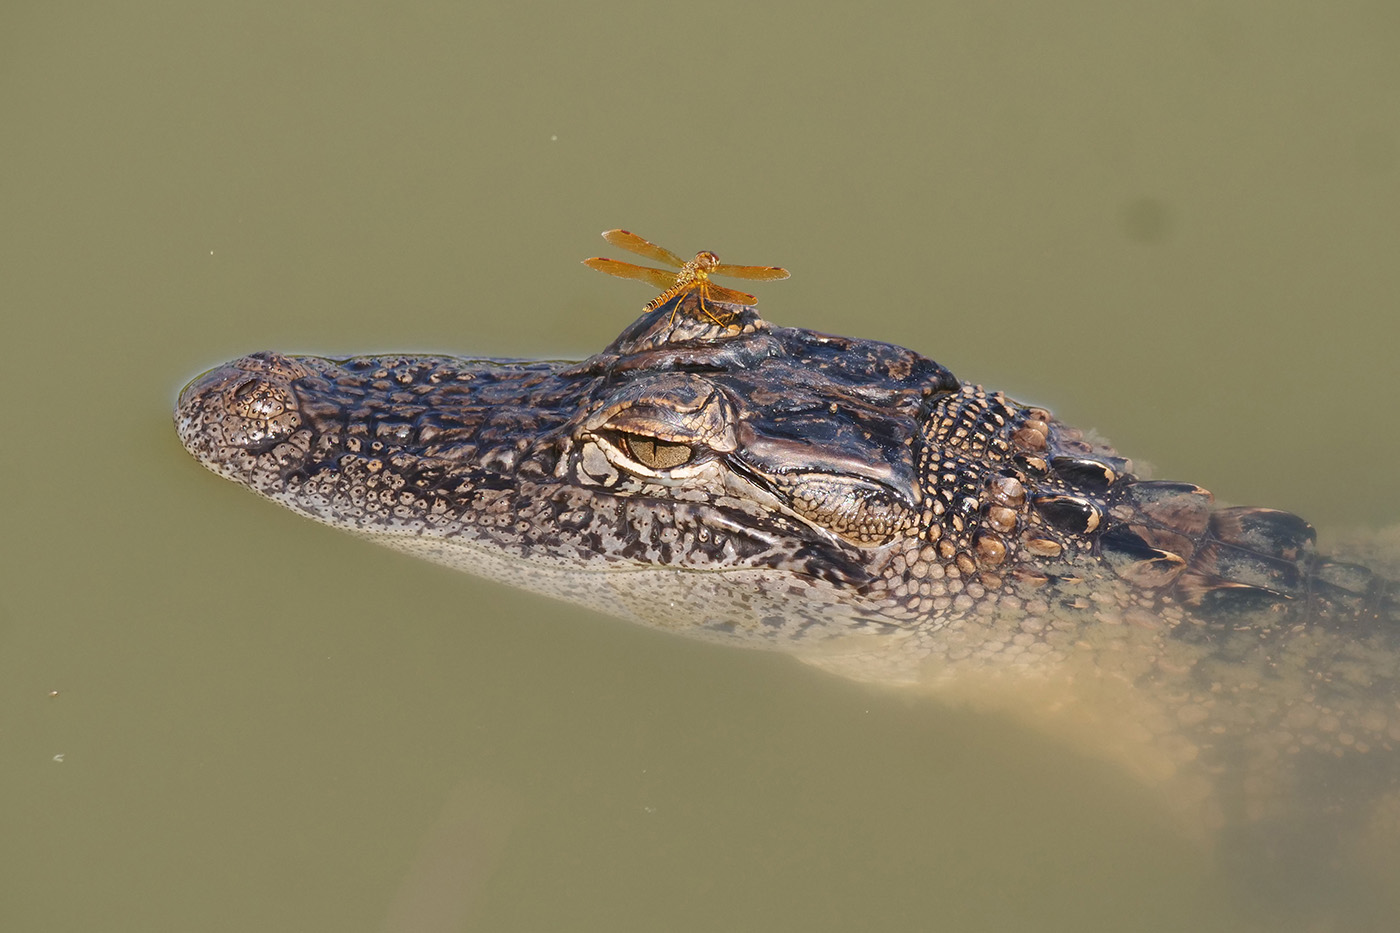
(694, 276)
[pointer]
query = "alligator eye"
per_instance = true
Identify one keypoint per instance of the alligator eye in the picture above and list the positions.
(654, 454)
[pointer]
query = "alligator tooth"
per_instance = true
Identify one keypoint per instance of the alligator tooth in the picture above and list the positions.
(1068, 513)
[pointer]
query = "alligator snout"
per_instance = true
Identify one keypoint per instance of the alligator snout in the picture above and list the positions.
(240, 411)
(265, 373)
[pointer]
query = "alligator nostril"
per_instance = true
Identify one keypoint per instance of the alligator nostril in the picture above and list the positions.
(258, 399)
(244, 379)
(232, 409)
(273, 365)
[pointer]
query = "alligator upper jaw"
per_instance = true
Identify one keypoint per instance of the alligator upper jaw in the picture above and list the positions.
(438, 454)
(382, 446)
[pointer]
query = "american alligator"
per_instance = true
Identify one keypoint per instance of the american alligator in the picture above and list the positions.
(855, 504)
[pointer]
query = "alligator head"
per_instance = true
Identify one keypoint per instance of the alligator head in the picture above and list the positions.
(743, 482)
(748, 482)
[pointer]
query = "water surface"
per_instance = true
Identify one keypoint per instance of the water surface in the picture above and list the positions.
(1177, 227)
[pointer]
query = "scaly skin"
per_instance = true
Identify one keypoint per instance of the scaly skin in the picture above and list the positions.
(855, 504)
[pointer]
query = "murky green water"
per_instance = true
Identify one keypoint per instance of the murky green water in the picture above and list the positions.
(1177, 227)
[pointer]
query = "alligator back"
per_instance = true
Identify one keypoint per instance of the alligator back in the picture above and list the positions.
(1170, 538)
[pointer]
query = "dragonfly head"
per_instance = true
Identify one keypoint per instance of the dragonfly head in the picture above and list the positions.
(705, 262)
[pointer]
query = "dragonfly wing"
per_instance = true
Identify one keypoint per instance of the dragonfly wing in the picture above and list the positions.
(720, 293)
(659, 278)
(626, 239)
(757, 273)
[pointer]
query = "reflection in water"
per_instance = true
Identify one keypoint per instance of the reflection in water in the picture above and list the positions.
(1147, 220)
(1277, 751)
(442, 888)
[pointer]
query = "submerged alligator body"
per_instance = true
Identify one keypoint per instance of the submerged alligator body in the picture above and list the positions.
(853, 503)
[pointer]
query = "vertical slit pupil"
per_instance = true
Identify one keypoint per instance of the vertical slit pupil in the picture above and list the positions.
(655, 454)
